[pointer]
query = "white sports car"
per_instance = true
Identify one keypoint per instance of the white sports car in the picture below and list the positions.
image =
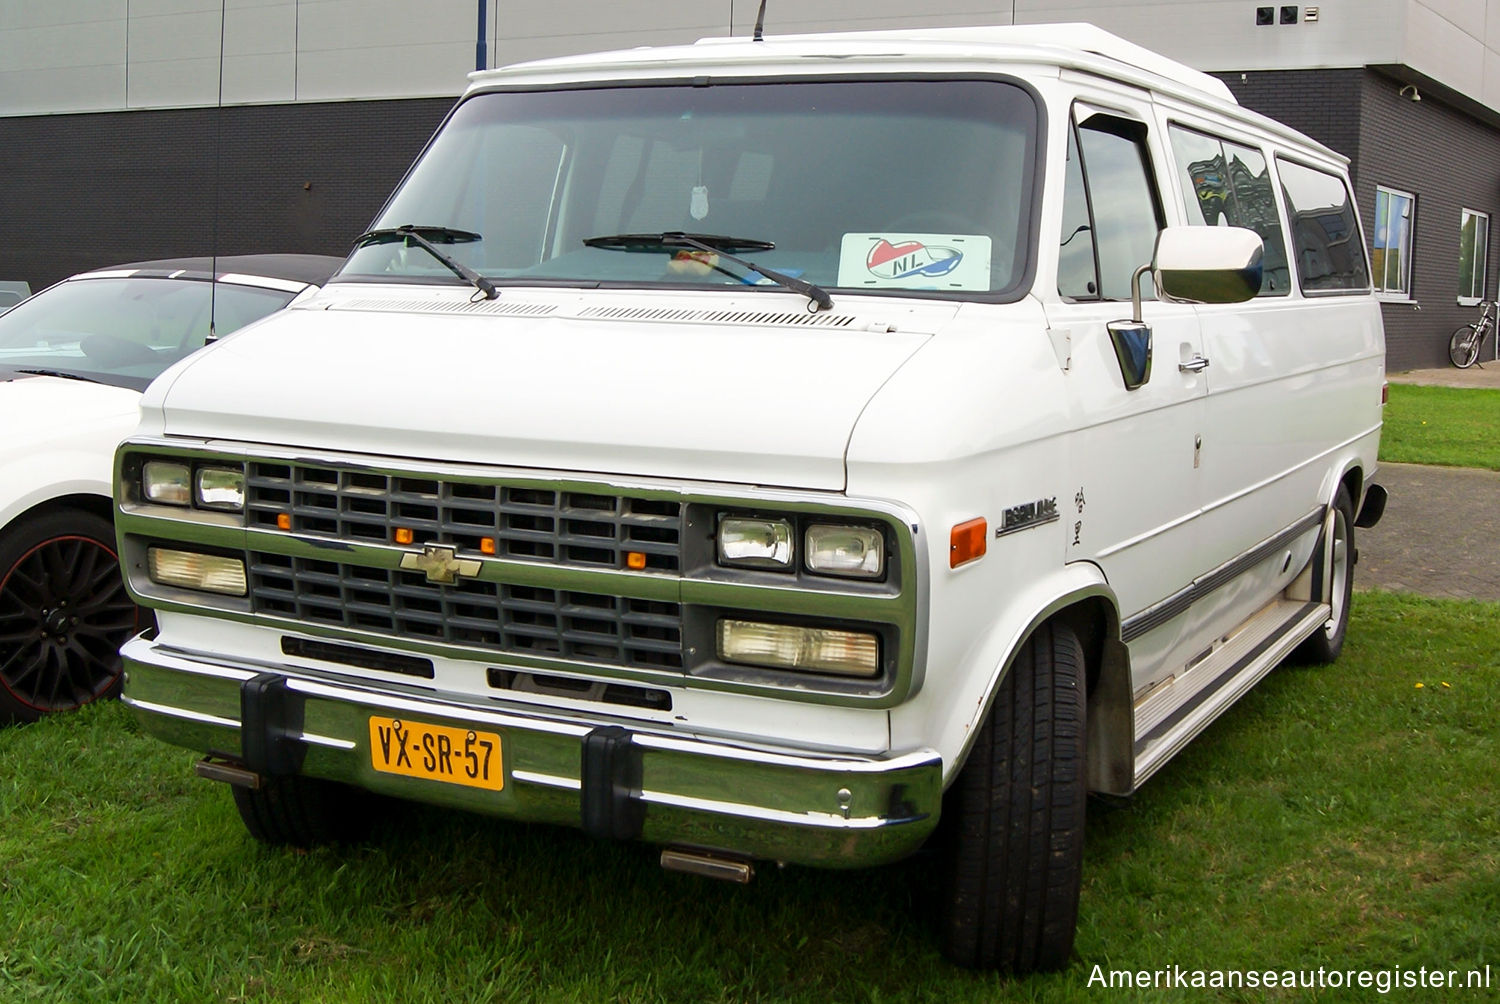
(73, 361)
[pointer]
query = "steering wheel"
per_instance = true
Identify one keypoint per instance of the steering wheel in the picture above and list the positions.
(112, 350)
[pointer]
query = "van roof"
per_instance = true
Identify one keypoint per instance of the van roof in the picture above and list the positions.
(1081, 46)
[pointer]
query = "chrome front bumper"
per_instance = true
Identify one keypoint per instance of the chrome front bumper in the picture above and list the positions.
(608, 778)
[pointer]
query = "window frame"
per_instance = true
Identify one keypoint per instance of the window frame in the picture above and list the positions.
(1406, 249)
(1471, 299)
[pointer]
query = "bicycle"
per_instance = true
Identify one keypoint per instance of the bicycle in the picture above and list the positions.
(1463, 347)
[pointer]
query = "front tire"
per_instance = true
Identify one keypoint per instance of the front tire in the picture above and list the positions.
(1463, 346)
(1333, 571)
(64, 613)
(1015, 861)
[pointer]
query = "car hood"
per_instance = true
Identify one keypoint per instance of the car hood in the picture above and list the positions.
(748, 389)
(50, 413)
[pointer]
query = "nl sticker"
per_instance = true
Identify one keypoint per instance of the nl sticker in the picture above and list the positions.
(915, 261)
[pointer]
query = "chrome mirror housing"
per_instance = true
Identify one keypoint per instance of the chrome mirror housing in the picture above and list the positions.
(1208, 264)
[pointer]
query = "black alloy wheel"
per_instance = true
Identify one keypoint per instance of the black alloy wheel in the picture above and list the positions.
(64, 613)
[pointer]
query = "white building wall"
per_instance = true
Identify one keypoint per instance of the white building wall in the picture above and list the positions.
(91, 55)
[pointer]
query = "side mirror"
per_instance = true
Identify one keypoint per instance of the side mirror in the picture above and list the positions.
(1190, 265)
(1208, 264)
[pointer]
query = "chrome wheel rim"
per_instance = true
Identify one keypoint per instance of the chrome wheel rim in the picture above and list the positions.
(1338, 571)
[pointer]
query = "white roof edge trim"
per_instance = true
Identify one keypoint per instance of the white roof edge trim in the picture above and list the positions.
(1073, 36)
(1078, 45)
(263, 281)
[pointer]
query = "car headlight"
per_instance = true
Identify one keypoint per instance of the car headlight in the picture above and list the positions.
(807, 649)
(190, 570)
(854, 551)
(221, 488)
(755, 543)
(166, 482)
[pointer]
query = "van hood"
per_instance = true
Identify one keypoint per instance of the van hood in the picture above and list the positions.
(751, 389)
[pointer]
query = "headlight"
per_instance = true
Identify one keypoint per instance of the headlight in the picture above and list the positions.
(811, 650)
(854, 551)
(207, 572)
(755, 543)
(221, 488)
(166, 482)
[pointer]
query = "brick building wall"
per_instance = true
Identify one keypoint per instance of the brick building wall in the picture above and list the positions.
(84, 191)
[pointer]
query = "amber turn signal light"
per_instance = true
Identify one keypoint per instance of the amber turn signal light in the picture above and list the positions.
(404, 535)
(283, 521)
(968, 541)
(635, 560)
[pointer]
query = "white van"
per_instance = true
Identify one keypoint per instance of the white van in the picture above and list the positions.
(777, 450)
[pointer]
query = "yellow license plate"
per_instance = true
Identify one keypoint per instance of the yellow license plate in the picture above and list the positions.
(436, 753)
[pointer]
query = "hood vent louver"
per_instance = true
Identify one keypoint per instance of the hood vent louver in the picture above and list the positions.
(485, 307)
(786, 318)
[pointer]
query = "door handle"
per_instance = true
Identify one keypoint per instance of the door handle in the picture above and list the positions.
(1194, 365)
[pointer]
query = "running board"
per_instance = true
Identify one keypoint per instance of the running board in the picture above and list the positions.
(1176, 710)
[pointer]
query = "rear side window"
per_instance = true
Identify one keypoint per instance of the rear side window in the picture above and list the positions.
(1227, 184)
(1325, 232)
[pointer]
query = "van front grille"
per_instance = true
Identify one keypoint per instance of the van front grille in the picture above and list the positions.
(500, 617)
(520, 521)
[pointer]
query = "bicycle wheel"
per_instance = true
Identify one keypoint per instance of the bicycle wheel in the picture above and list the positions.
(1463, 347)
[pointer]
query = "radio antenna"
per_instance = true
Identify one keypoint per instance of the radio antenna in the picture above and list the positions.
(213, 260)
(760, 23)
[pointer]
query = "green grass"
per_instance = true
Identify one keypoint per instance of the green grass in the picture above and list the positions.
(1338, 816)
(1448, 426)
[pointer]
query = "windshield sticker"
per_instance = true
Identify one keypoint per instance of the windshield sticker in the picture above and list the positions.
(915, 261)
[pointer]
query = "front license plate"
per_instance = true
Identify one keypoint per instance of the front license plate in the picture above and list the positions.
(436, 753)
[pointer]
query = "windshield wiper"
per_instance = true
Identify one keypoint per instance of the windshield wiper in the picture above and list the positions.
(420, 237)
(724, 247)
(61, 374)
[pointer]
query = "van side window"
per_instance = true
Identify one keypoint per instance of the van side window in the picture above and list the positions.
(1077, 267)
(1226, 184)
(1325, 233)
(1122, 208)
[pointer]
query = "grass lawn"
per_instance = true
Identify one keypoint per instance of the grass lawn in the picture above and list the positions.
(1342, 816)
(1452, 427)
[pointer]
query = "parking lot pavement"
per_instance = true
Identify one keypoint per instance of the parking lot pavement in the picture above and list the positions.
(1484, 375)
(1440, 535)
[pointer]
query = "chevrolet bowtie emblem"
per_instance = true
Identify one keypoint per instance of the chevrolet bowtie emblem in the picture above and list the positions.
(440, 564)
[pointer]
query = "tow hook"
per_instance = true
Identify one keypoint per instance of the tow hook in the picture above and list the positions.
(214, 768)
(706, 865)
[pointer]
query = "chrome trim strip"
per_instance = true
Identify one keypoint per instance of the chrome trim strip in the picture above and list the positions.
(547, 780)
(1268, 482)
(182, 713)
(1159, 613)
(716, 807)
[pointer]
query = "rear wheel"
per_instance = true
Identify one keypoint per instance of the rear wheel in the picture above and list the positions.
(303, 811)
(1016, 853)
(1463, 347)
(1333, 571)
(64, 613)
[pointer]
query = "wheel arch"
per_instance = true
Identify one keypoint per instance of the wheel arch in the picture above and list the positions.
(99, 505)
(1090, 610)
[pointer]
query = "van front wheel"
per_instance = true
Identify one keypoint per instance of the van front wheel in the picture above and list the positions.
(1015, 861)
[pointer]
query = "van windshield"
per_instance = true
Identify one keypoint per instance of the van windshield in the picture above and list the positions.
(914, 185)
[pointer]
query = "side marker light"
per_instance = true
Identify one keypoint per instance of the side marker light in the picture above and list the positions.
(968, 542)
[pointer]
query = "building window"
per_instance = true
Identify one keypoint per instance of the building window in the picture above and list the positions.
(1473, 256)
(1394, 212)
